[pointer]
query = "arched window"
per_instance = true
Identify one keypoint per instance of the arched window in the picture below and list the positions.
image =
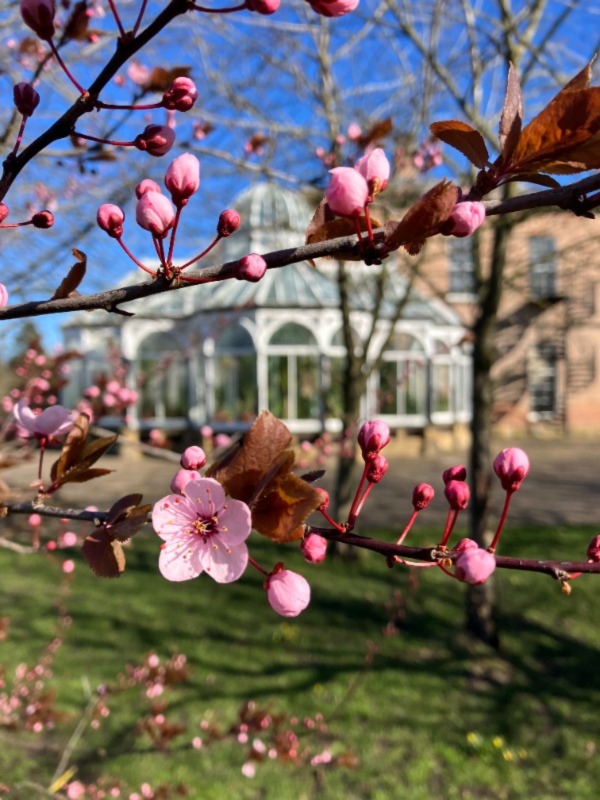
(403, 377)
(162, 378)
(236, 396)
(293, 373)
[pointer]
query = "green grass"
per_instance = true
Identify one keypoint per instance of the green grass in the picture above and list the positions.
(425, 711)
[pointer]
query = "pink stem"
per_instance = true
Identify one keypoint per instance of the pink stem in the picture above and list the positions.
(173, 232)
(15, 149)
(138, 21)
(358, 493)
(409, 525)
(500, 527)
(102, 141)
(331, 521)
(353, 516)
(65, 68)
(43, 440)
(450, 523)
(419, 564)
(202, 254)
(117, 18)
(369, 226)
(257, 566)
(134, 259)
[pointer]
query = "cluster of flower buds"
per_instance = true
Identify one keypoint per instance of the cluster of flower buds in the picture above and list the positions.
(159, 216)
(205, 531)
(351, 189)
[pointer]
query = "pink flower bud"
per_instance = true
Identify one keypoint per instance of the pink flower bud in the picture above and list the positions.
(181, 96)
(466, 544)
(147, 185)
(229, 222)
(314, 548)
(474, 565)
(39, 16)
(3, 295)
(250, 268)
(26, 98)
(182, 178)
(263, 6)
(422, 495)
(155, 213)
(465, 218)
(373, 437)
(333, 8)
(511, 466)
(376, 469)
(156, 140)
(354, 131)
(69, 539)
(68, 566)
(181, 479)
(4, 212)
(347, 192)
(457, 473)
(43, 219)
(324, 499)
(457, 494)
(110, 218)
(92, 392)
(375, 169)
(35, 520)
(593, 550)
(287, 592)
(193, 458)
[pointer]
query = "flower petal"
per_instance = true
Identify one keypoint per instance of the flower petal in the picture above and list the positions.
(223, 564)
(172, 515)
(235, 522)
(54, 421)
(206, 496)
(176, 562)
(25, 416)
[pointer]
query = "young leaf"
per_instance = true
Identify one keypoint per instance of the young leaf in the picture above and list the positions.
(378, 131)
(121, 508)
(104, 555)
(337, 228)
(511, 120)
(463, 138)
(160, 79)
(73, 278)
(423, 219)
(72, 448)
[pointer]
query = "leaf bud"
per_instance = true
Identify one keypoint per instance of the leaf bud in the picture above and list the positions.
(156, 140)
(250, 268)
(26, 98)
(229, 222)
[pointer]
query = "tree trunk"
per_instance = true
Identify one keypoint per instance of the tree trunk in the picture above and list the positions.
(481, 621)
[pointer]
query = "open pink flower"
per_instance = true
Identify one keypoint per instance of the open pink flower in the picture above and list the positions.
(52, 422)
(203, 532)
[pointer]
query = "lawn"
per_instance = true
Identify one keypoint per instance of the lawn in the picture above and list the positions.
(411, 707)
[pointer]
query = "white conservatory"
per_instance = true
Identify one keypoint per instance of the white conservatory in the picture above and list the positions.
(217, 354)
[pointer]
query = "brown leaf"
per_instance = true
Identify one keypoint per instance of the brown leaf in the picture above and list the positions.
(104, 555)
(72, 448)
(259, 474)
(379, 130)
(423, 219)
(77, 26)
(124, 529)
(511, 120)
(463, 138)
(73, 278)
(79, 474)
(536, 177)
(323, 214)
(160, 78)
(119, 509)
(336, 229)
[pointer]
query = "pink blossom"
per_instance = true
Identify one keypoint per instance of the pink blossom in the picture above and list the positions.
(34, 520)
(193, 458)
(354, 131)
(373, 437)
(465, 218)
(181, 96)
(68, 567)
(147, 185)
(26, 98)
(155, 213)
(138, 73)
(109, 400)
(229, 222)
(375, 169)
(75, 790)
(314, 548)
(3, 296)
(156, 140)
(39, 16)
(110, 219)
(92, 392)
(206, 431)
(474, 565)
(333, 8)
(287, 592)
(457, 473)
(263, 6)
(222, 440)
(203, 531)
(422, 495)
(52, 422)
(347, 193)
(69, 539)
(113, 387)
(181, 479)
(250, 268)
(457, 494)
(511, 466)
(182, 178)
